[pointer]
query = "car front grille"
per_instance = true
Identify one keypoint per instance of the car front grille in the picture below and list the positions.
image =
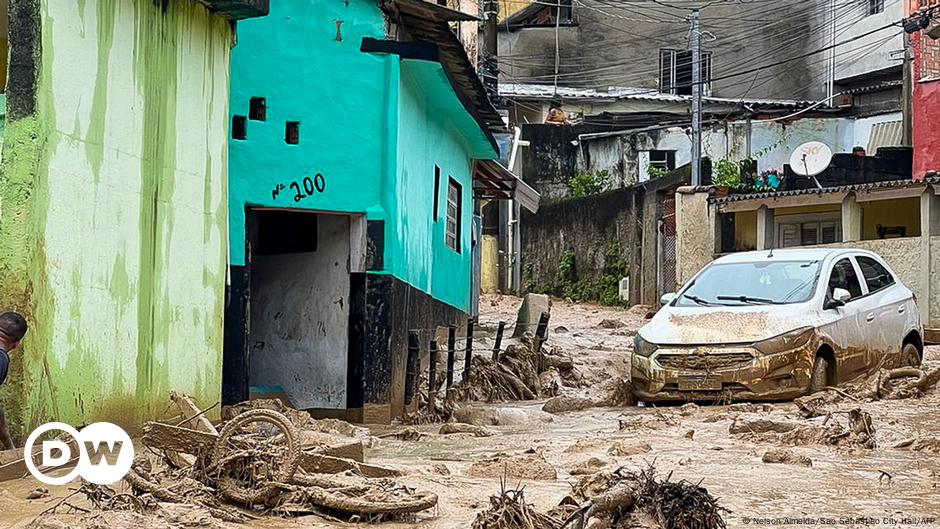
(707, 362)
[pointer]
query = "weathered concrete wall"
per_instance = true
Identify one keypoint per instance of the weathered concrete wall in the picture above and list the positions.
(550, 160)
(586, 226)
(114, 220)
(610, 46)
(873, 52)
(695, 233)
(623, 221)
(300, 319)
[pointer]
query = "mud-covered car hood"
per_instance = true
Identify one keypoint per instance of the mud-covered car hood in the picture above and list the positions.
(725, 325)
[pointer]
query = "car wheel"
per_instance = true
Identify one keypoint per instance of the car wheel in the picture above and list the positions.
(819, 378)
(910, 356)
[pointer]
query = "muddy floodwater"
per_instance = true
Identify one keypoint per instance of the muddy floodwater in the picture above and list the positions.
(896, 484)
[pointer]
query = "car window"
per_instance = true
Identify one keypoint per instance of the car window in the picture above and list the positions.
(844, 276)
(876, 275)
(736, 284)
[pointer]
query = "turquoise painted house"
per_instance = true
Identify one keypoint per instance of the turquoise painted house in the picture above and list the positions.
(360, 138)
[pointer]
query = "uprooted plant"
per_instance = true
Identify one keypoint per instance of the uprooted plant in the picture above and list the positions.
(611, 500)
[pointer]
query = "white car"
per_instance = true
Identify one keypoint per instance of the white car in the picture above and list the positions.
(773, 325)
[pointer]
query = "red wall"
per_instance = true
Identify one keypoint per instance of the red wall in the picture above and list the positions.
(926, 99)
(926, 127)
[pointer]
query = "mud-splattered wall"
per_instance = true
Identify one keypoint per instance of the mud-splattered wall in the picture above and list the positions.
(617, 224)
(114, 220)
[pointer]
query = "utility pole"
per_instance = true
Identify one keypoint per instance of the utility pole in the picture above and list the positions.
(907, 89)
(697, 87)
(831, 81)
(490, 52)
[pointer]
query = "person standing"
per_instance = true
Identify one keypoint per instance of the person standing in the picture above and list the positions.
(12, 329)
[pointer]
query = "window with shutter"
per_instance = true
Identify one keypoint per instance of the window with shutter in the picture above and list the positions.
(789, 235)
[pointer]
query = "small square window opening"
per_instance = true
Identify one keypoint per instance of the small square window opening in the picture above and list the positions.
(292, 133)
(257, 109)
(239, 128)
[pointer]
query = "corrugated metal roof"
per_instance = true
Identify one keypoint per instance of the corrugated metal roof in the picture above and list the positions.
(816, 191)
(888, 134)
(615, 93)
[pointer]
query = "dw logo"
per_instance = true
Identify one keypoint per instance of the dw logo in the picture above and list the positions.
(105, 453)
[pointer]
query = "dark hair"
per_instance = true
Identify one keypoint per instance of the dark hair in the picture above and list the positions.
(12, 326)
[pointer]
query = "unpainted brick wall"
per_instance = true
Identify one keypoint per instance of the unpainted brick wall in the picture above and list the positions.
(928, 49)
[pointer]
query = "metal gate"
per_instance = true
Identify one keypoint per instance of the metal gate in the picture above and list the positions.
(666, 246)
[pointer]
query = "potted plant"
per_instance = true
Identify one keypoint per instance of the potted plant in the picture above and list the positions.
(727, 175)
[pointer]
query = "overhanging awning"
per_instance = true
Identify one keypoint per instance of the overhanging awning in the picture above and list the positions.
(492, 181)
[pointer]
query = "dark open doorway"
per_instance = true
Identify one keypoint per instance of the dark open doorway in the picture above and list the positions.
(292, 340)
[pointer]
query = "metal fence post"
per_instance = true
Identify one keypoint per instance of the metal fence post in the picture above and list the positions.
(432, 374)
(499, 341)
(412, 367)
(540, 333)
(468, 353)
(451, 350)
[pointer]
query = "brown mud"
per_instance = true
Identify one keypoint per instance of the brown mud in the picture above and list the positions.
(896, 477)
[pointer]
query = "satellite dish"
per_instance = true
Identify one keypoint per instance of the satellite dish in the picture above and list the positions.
(811, 158)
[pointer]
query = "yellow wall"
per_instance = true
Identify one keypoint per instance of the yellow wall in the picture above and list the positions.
(507, 8)
(745, 231)
(489, 267)
(899, 212)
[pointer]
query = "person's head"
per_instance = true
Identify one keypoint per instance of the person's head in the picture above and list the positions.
(12, 329)
(858, 151)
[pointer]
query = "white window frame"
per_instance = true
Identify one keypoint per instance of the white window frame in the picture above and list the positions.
(707, 70)
(876, 7)
(821, 220)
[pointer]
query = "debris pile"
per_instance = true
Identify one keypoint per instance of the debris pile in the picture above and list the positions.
(261, 461)
(509, 510)
(857, 431)
(786, 457)
(611, 500)
(522, 372)
(885, 384)
(527, 465)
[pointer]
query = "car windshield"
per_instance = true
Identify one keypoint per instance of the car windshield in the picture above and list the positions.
(760, 283)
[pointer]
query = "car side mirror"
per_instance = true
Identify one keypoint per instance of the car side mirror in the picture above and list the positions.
(667, 298)
(840, 297)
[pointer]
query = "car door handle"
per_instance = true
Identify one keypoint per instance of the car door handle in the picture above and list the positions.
(870, 318)
(901, 309)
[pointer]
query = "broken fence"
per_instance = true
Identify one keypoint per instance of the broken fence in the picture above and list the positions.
(416, 355)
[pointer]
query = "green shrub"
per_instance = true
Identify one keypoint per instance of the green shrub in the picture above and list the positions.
(604, 289)
(590, 182)
(727, 174)
(655, 172)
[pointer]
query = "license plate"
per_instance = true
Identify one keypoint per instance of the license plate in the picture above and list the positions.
(699, 383)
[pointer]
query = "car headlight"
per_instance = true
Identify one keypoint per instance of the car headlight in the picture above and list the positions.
(642, 347)
(786, 341)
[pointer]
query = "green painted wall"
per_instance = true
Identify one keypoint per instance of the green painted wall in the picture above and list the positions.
(374, 126)
(292, 59)
(416, 246)
(114, 219)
